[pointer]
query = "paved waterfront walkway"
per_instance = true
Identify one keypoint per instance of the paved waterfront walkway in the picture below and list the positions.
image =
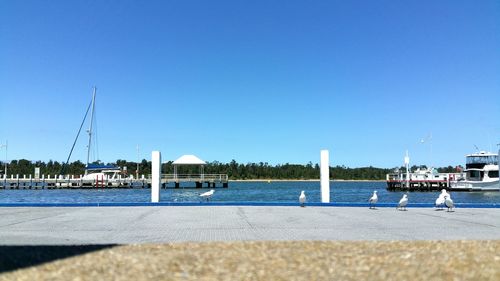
(164, 224)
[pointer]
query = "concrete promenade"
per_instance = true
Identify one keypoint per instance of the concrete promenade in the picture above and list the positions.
(166, 224)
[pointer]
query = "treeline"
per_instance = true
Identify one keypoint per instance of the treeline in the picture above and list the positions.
(235, 171)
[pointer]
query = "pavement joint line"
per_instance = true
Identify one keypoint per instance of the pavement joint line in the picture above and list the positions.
(241, 214)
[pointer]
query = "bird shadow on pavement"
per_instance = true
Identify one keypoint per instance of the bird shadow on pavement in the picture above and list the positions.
(18, 257)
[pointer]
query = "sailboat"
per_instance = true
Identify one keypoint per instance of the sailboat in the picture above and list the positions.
(97, 175)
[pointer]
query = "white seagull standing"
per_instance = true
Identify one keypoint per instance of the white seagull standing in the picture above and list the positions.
(448, 202)
(440, 200)
(373, 200)
(302, 199)
(403, 202)
(207, 195)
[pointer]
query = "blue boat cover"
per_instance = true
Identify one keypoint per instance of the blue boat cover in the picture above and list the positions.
(101, 167)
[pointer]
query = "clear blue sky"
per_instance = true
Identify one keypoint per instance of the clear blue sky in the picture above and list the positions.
(270, 81)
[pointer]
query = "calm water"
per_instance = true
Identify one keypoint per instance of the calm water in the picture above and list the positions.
(352, 192)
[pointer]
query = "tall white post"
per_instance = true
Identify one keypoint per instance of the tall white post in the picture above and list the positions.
(325, 176)
(155, 176)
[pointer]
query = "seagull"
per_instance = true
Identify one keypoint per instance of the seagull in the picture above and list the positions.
(302, 199)
(207, 194)
(373, 200)
(403, 202)
(448, 202)
(439, 201)
(444, 192)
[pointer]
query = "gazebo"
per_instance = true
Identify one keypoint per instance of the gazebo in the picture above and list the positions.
(189, 160)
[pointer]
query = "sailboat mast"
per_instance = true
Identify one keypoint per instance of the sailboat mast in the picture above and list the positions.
(91, 123)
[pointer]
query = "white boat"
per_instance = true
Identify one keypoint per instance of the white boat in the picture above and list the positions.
(103, 175)
(425, 179)
(481, 173)
(97, 175)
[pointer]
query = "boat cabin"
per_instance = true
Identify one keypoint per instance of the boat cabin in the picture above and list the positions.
(479, 160)
(488, 172)
(95, 171)
(482, 166)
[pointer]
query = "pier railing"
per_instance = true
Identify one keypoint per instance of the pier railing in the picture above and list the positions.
(427, 177)
(78, 181)
(195, 177)
(69, 181)
(422, 181)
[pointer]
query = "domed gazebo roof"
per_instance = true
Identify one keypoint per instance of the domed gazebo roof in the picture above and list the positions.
(189, 160)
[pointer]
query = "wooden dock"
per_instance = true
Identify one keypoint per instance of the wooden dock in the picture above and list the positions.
(418, 185)
(211, 180)
(421, 181)
(79, 182)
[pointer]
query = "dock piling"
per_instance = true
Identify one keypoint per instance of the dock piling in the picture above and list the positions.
(156, 176)
(325, 176)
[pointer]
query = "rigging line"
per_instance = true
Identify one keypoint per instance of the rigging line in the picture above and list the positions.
(74, 143)
(95, 135)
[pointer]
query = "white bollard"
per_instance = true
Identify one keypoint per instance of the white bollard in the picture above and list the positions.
(155, 176)
(325, 176)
